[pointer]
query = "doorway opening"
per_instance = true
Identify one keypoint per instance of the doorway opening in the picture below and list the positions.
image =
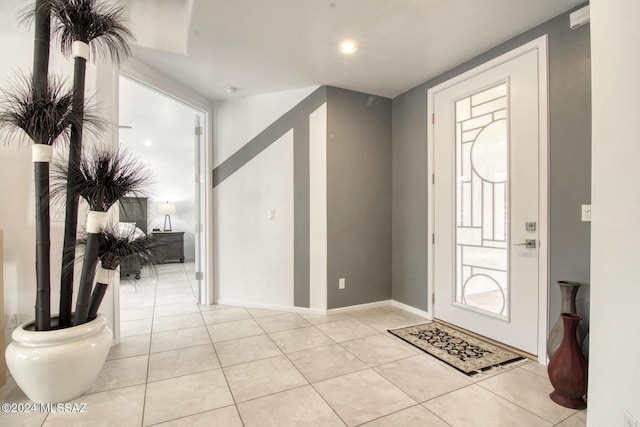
(168, 136)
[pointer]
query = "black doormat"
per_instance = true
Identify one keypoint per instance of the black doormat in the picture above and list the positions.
(464, 352)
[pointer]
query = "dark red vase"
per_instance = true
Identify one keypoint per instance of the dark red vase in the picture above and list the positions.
(567, 368)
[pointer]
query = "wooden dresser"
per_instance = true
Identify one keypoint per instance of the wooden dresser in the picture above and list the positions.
(170, 245)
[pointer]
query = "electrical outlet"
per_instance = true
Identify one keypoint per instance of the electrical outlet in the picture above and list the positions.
(629, 421)
(341, 284)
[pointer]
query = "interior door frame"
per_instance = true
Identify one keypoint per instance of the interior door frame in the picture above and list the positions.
(147, 76)
(539, 44)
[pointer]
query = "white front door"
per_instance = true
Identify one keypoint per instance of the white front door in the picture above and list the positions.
(489, 146)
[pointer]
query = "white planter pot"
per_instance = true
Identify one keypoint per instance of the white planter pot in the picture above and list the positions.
(59, 365)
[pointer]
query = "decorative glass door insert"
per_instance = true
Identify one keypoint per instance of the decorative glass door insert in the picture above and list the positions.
(488, 160)
(481, 201)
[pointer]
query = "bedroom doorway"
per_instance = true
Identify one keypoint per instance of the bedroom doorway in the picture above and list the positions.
(169, 137)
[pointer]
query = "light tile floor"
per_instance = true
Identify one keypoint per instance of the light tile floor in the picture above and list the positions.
(181, 364)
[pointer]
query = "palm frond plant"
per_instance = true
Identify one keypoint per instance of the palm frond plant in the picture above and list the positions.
(82, 27)
(41, 39)
(39, 110)
(102, 178)
(114, 246)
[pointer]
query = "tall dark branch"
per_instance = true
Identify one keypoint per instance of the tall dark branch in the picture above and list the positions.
(41, 40)
(100, 25)
(71, 211)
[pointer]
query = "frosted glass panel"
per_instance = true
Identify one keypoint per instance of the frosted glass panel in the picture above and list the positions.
(487, 95)
(482, 173)
(491, 106)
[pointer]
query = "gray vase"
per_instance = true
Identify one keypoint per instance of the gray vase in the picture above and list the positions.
(568, 290)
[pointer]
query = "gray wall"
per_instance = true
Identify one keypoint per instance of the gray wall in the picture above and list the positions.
(358, 197)
(570, 170)
(410, 242)
(358, 192)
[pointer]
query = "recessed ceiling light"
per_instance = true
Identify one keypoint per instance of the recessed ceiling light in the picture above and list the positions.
(148, 142)
(231, 89)
(348, 47)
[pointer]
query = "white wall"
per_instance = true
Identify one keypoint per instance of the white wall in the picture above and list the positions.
(614, 377)
(254, 262)
(318, 208)
(16, 183)
(17, 216)
(253, 256)
(239, 120)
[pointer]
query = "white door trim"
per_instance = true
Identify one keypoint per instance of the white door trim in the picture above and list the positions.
(157, 81)
(539, 44)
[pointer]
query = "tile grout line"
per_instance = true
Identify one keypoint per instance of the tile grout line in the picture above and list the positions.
(146, 383)
(192, 415)
(420, 402)
(328, 404)
(312, 384)
(290, 362)
(224, 374)
(570, 416)
(455, 371)
(436, 415)
(178, 376)
(400, 410)
(516, 403)
(267, 335)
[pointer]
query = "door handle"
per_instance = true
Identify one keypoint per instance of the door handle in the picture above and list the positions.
(528, 243)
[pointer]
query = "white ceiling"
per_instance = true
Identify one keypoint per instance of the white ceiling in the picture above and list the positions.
(264, 46)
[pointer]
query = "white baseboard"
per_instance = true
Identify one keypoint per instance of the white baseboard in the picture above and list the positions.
(290, 309)
(413, 310)
(384, 303)
(304, 310)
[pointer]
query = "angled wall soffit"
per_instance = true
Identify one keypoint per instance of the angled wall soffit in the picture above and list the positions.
(161, 24)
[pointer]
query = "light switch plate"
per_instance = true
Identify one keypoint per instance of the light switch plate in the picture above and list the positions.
(586, 213)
